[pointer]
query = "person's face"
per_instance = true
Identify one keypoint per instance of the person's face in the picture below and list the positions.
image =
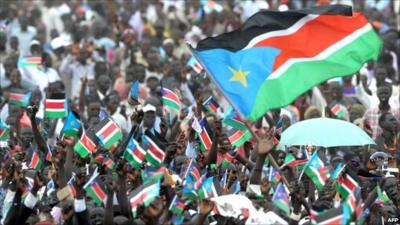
(103, 83)
(23, 23)
(149, 118)
(113, 103)
(130, 75)
(384, 94)
(15, 77)
(145, 45)
(390, 188)
(390, 123)
(152, 59)
(380, 74)
(285, 122)
(96, 216)
(14, 43)
(281, 158)
(152, 83)
(336, 91)
(169, 49)
(9, 66)
(26, 136)
(82, 56)
(140, 73)
(93, 109)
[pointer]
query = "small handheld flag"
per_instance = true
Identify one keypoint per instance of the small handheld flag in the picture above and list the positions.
(4, 131)
(134, 154)
(134, 94)
(19, 99)
(195, 65)
(155, 155)
(56, 106)
(72, 124)
(211, 105)
(144, 194)
(108, 132)
(85, 145)
(169, 98)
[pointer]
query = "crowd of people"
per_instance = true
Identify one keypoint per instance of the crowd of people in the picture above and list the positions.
(121, 153)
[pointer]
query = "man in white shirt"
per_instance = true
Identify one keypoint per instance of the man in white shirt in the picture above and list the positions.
(77, 68)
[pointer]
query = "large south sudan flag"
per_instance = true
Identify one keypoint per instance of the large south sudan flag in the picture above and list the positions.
(276, 56)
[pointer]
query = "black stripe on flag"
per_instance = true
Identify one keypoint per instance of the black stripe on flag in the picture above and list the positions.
(264, 22)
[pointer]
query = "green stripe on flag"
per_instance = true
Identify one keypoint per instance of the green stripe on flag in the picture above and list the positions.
(171, 104)
(81, 149)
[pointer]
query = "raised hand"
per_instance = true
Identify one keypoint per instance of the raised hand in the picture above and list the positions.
(265, 143)
(206, 206)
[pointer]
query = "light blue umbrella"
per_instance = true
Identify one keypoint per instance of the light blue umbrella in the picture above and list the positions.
(324, 132)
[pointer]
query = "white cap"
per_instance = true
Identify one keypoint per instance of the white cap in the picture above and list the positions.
(34, 42)
(149, 108)
(58, 42)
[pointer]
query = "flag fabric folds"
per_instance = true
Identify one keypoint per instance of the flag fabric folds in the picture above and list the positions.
(144, 194)
(155, 155)
(267, 63)
(72, 124)
(317, 171)
(281, 198)
(204, 135)
(195, 65)
(347, 185)
(211, 105)
(239, 137)
(85, 145)
(56, 106)
(19, 99)
(134, 94)
(95, 189)
(108, 132)
(169, 98)
(208, 188)
(36, 162)
(134, 154)
(177, 206)
(29, 61)
(4, 131)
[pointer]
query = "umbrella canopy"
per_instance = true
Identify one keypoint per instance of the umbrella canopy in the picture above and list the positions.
(324, 132)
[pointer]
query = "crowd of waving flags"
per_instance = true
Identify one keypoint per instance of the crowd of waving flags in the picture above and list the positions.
(257, 72)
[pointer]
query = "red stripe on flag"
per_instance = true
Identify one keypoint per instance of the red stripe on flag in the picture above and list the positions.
(89, 144)
(16, 96)
(229, 158)
(99, 192)
(156, 151)
(110, 128)
(206, 138)
(313, 37)
(236, 136)
(54, 105)
(212, 107)
(170, 95)
(138, 153)
(33, 59)
(138, 200)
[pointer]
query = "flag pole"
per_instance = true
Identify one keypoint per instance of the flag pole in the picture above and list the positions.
(271, 159)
